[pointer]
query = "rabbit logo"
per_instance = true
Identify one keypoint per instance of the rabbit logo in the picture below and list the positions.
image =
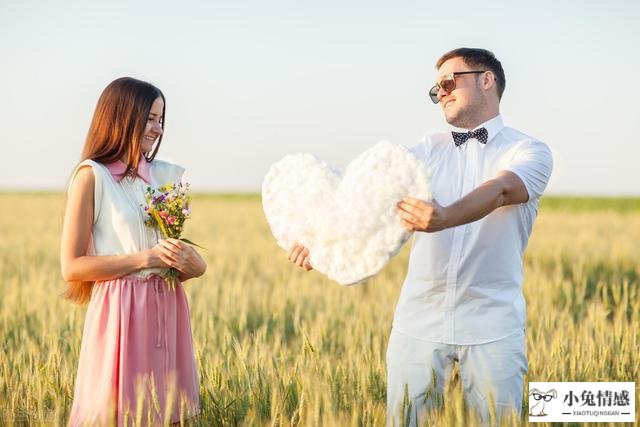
(539, 398)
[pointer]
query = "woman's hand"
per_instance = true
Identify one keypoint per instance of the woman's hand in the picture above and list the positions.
(299, 255)
(181, 256)
(155, 257)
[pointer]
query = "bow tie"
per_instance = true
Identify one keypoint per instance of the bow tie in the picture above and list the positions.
(460, 138)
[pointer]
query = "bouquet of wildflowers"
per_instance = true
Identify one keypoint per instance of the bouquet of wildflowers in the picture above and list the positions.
(168, 207)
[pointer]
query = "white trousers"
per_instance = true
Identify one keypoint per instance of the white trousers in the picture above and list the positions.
(491, 374)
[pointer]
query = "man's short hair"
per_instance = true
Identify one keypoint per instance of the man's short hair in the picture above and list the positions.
(474, 57)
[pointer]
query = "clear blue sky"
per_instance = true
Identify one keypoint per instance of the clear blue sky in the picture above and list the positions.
(248, 82)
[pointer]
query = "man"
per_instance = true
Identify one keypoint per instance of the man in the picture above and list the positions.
(462, 300)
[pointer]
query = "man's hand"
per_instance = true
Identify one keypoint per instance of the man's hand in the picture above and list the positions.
(299, 255)
(418, 215)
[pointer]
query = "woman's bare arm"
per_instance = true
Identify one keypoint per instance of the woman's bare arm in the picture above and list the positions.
(76, 265)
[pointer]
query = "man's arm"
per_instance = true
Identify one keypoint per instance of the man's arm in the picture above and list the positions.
(505, 189)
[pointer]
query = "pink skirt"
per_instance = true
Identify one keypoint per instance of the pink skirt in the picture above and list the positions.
(137, 361)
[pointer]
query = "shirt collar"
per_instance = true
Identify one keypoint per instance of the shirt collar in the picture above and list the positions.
(493, 127)
(118, 170)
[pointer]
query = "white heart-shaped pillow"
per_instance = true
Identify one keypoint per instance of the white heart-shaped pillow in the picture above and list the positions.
(349, 223)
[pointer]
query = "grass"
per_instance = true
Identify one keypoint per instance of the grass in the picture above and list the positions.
(590, 204)
(277, 346)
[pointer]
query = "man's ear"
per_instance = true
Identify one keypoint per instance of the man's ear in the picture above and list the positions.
(488, 80)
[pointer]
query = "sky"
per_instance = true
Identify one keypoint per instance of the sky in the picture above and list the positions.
(248, 82)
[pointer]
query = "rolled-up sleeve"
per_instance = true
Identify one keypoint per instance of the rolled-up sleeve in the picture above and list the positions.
(533, 163)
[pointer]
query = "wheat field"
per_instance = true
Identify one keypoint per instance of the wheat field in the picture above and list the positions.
(277, 346)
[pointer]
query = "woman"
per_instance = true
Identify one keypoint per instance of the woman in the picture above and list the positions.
(136, 359)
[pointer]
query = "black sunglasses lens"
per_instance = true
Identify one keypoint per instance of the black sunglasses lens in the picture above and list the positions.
(433, 94)
(448, 85)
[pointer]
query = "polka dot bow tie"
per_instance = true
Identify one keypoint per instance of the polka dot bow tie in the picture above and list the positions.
(461, 137)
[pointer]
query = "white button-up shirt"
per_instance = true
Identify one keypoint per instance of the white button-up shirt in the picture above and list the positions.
(464, 284)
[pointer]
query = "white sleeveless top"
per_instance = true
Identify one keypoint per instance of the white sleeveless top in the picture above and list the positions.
(118, 212)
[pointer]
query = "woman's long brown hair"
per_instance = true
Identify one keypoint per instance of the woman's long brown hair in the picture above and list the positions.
(116, 133)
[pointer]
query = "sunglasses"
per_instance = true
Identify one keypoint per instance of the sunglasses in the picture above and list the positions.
(448, 84)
